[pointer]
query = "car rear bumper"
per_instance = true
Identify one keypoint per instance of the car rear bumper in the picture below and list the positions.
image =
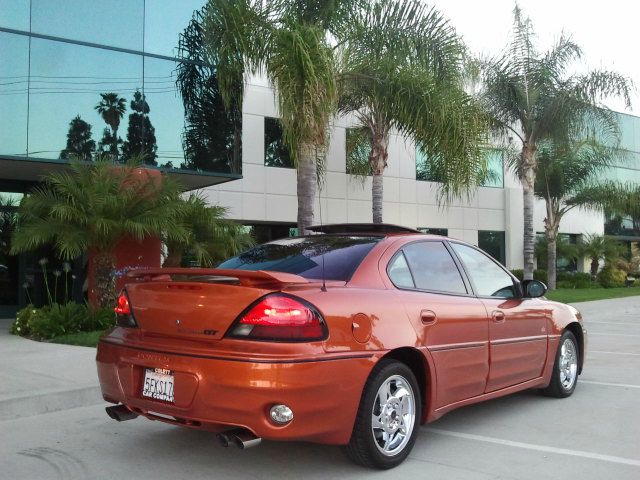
(218, 393)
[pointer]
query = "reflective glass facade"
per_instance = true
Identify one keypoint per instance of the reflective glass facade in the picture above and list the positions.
(58, 62)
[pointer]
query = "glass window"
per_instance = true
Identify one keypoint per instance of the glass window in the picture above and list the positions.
(424, 170)
(14, 14)
(492, 242)
(495, 169)
(8, 263)
(433, 268)
(164, 21)
(211, 132)
(434, 231)
(276, 154)
(14, 83)
(115, 23)
(81, 102)
(319, 256)
(399, 272)
(489, 280)
(357, 152)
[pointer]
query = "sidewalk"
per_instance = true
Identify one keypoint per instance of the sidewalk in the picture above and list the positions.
(40, 377)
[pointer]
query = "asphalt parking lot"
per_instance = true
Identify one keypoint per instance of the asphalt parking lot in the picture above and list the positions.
(594, 434)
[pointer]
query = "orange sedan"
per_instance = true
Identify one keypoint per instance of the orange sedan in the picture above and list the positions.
(353, 337)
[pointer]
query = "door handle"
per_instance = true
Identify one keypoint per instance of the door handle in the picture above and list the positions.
(428, 317)
(498, 316)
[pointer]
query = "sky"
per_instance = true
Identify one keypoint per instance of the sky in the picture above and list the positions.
(607, 31)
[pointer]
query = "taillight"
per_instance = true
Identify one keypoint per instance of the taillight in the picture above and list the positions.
(280, 317)
(124, 315)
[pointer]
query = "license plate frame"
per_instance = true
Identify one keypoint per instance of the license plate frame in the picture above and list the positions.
(158, 384)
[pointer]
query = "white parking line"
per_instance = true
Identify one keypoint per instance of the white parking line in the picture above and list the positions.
(607, 384)
(614, 334)
(587, 322)
(614, 353)
(539, 448)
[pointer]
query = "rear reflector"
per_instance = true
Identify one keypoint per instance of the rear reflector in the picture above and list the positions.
(279, 317)
(124, 315)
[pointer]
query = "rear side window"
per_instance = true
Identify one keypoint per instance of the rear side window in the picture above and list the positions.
(338, 256)
(433, 268)
(399, 272)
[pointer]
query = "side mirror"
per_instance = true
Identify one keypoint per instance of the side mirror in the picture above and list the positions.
(533, 288)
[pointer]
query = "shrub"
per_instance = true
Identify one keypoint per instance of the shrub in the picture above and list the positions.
(610, 277)
(518, 273)
(52, 321)
(21, 324)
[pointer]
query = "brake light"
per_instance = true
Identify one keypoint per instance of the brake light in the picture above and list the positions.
(124, 315)
(280, 318)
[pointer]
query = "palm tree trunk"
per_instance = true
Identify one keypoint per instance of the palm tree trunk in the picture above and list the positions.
(307, 183)
(551, 227)
(378, 161)
(595, 263)
(105, 280)
(115, 144)
(551, 262)
(528, 180)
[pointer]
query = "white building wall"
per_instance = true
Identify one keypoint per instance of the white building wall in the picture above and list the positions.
(268, 194)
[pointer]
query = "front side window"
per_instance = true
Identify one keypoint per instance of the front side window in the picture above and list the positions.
(433, 268)
(489, 280)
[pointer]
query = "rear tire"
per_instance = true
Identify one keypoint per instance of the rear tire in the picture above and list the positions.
(565, 369)
(388, 418)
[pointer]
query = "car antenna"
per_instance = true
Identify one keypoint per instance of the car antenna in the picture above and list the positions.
(324, 282)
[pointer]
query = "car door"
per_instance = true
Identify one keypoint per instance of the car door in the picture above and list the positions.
(451, 323)
(517, 330)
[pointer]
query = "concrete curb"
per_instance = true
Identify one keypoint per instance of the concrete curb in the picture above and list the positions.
(31, 405)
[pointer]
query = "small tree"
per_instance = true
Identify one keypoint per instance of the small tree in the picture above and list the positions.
(565, 174)
(141, 135)
(80, 145)
(92, 207)
(600, 247)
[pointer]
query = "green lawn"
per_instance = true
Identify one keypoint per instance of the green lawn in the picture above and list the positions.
(571, 295)
(83, 339)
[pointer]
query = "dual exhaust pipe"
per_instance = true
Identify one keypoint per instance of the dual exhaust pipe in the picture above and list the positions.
(238, 437)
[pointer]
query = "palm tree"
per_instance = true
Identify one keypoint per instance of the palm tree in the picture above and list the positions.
(288, 41)
(211, 237)
(531, 97)
(600, 247)
(112, 108)
(401, 68)
(91, 207)
(565, 175)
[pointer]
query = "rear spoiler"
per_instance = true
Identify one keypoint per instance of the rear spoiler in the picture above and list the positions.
(247, 278)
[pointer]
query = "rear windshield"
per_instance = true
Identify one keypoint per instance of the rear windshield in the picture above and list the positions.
(304, 256)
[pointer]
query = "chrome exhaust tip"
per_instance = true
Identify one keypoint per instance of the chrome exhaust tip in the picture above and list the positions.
(120, 413)
(242, 438)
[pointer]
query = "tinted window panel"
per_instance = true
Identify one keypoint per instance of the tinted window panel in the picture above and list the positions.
(14, 70)
(321, 256)
(14, 14)
(399, 272)
(115, 23)
(488, 278)
(165, 20)
(433, 268)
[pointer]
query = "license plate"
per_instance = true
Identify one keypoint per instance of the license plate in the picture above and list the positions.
(158, 384)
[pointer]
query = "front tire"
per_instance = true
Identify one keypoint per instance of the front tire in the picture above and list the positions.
(565, 369)
(387, 423)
